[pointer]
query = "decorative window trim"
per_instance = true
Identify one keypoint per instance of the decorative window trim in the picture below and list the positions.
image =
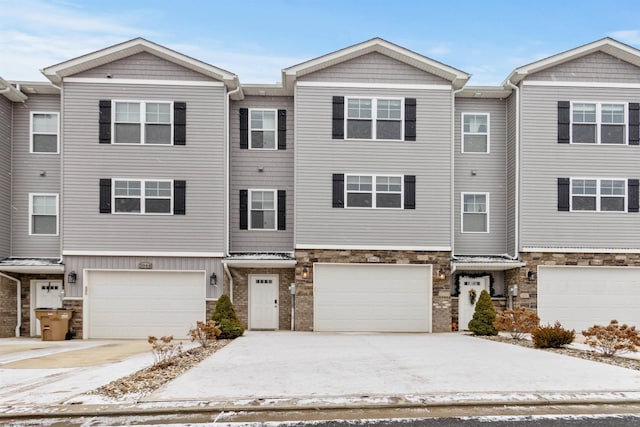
(487, 133)
(142, 121)
(32, 133)
(31, 196)
(487, 212)
(374, 192)
(374, 117)
(598, 123)
(142, 197)
(275, 129)
(275, 208)
(598, 196)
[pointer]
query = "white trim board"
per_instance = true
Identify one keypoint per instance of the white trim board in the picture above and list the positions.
(94, 80)
(581, 84)
(374, 85)
(375, 247)
(144, 254)
(582, 250)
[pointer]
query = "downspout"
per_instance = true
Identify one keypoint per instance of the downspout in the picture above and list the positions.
(227, 152)
(228, 273)
(19, 302)
(452, 174)
(516, 201)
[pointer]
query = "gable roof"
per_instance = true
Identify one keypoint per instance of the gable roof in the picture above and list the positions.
(457, 77)
(57, 72)
(607, 45)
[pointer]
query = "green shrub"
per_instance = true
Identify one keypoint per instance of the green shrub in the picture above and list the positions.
(552, 336)
(484, 316)
(517, 322)
(227, 320)
(612, 339)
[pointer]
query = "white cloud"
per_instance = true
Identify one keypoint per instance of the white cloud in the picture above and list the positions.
(627, 36)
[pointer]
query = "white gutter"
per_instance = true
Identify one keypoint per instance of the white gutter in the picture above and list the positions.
(19, 302)
(227, 185)
(452, 177)
(517, 172)
(228, 273)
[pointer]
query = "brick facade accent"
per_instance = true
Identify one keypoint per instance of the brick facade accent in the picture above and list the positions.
(441, 307)
(8, 308)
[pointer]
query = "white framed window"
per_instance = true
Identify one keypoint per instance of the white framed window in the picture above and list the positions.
(45, 132)
(374, 118)
(475, 213)
(263, 133)
(262, 209)
(475, 132)
(598, 123)
(598, 194)
(135, 196)
(142, 122)
(374, 191)
(43, 214)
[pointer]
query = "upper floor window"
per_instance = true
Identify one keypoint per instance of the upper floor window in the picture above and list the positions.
(475, 133)
(263, 133)
(475, 212)
(370, 191)
(139, 122)
(43, 214)
(262, 209)
(598, 123)
(142, 196)
(374, 118)
(592, 194)
(44, 132)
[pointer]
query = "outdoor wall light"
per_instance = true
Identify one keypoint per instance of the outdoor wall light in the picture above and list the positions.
(213, 279)
(532, 275)
(72, 277)
(441, 274)
(305, 273)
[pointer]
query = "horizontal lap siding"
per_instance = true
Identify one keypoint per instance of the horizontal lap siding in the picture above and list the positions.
(277, 174)
(201, 162)
(596, 67)
(543, 160)
(489, 178)
(5, 177)
(511, 180)
(318, 156)
(27, 169)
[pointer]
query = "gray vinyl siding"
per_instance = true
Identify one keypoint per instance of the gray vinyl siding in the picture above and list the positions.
(277, 174)
(5, 177)
(511, 179)
(201, 162)
(543, 160)
(79, 263)
(596, 67)
(32, 173)
(318, 156)
(374, 68)
(489, 178)
(143, 66)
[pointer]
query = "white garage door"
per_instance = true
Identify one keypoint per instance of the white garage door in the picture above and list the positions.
(579, 297)
(374, 298)
(136, 304)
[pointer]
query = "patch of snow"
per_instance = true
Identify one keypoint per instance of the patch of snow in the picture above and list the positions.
(30, 262)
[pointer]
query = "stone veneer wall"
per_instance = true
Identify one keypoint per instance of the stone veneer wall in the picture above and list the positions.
(241, 293)
(75, 325)
(441, 310)
(8, 308)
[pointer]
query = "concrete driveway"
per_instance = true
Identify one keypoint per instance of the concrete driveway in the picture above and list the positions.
(264, 365)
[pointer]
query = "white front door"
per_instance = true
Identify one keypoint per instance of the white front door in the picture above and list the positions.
(48, 294)
(263, 301)
(466, 308)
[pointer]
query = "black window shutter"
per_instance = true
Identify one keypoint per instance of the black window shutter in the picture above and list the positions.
(244, 128)
(282, 210)
(564, 121)
(282, 129)
(338, 190)
(105, 195)
(409, 191)
(179, 123)
(634, 195)
(410, 119)
(563, 194)
(179, 197)
(244, 209)
(338, 117)
(634, 123)
(104, 122)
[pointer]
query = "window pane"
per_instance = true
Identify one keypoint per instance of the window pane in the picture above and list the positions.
(158, 134)
(475, 143)
(128, 112)
(359, 200)
(585, 134)
(475, 203)
(584, 186)
(359, 129)
(127, 188)
(359, 109)
(389, 109)
(475, 222)
(263, 220)
(269, 120)
(610, 187)
(127, 133)
(157, 189)
(612, 134)
(612, 113)
(612, 204)
(583, 203)
(158, 113)
(44, 205)
(475, 123)
(263, 139)
(45, 143)
(127, 205)
(584, 113)
(45, 123)
(44, 224)
(388, 200)
(388, 129)
(157, 205)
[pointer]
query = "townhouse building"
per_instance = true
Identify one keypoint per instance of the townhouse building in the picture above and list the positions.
(372, 189)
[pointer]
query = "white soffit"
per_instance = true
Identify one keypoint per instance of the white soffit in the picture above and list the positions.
(11, 92)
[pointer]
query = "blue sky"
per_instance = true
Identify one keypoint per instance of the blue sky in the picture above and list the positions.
(257, 39)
